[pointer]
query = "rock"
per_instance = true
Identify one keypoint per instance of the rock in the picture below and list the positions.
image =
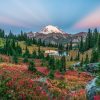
(92, 89)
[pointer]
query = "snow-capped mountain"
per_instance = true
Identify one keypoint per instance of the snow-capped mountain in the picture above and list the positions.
(51, 29)
(52, 34)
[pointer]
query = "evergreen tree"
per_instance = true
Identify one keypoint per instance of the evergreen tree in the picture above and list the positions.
(48, 57)
(60, 49)
(82, 62)
(86, 59)
(2, 33)
(58, 65)
(11, 35)
(51, 74)
(71, 59)
(71, 45)
(32, 67)
(63, 64)
(34, 54)
(25, 60)
(94, 56)
(81, 47)
(51, 63)
(27, 53)
(15, 58)
(98, 44)
(67, 47)
(39, 42)
(95, 34)
(18, 49)
(13, 44)
(78, 56)
(89, 40)
(29, 42)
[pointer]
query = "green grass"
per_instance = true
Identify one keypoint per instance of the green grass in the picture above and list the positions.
(2, 41)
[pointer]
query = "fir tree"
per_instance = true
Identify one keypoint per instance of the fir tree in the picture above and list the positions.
(32, 67)
(2, 33)
(48, 57)
(94, 56)
(63, 64)
(71, 59)
(82, 62)
(25, 60)
(86, 59)
(27, 53)
(51, 74)
(98, 44)
(15, 58)
(81, 47)
(51, 63)
(67, 47)
(34, 54)
(77, 56)
(71, 45)
(95, 34)
(58, 65)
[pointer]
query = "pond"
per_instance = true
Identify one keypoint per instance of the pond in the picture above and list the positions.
(59, 53)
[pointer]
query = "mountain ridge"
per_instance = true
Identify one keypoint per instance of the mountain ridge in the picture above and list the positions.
(52, 34)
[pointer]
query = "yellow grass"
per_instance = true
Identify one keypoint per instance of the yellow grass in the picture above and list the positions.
(34, 47)
(73, 53)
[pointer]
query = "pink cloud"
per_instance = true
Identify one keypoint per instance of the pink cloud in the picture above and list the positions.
(90, 21)
(10, 21)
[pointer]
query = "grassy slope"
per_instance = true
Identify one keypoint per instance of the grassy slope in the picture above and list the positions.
(72, 53)
(34, 47)
(2, 41)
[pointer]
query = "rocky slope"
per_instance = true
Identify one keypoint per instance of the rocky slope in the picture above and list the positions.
(52, 34)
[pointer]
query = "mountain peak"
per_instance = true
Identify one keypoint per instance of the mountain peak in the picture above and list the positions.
(51, 29)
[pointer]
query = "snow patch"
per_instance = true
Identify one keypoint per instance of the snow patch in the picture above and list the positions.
(51, 29)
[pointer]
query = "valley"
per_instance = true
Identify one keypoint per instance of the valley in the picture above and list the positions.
(31, 69)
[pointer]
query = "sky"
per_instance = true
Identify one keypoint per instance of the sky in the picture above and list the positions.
(71, 16)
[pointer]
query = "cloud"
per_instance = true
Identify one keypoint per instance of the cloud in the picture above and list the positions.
(23, 13)
(90, 21)
(9, 21)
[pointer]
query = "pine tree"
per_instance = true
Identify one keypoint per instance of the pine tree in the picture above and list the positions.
(39, 42)
(94, 56)
(15, 58)
(60, 49)
(63, 64)
(82, 62)
(27, 53)
(51, 63)
(11, 35)
(13, 44)
(32, 67)
(86, 59)
(98, 44)
(58, 64)
(51, 74)
(71, 59)
(18, 49)
(34, 54)
(71, 45)
(77, 56)
(81, 47)
(67, 47)
(25, 60)
(48, 57)
(95, 33)
(2, 33)
(89, 40)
